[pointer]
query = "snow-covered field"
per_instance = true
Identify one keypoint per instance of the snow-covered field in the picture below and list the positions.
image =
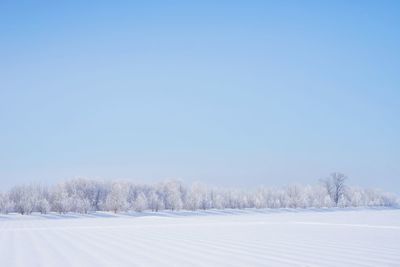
(210, 238)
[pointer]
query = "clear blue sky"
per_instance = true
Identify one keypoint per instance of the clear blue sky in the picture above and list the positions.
(235, 93)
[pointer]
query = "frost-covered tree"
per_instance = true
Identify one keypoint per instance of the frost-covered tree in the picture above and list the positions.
(318, 197)
(60, 200)
(295, 196)
(23, 198)
(6, 205)
(43, 206)
(84, 195)
(195, 196)
(140, 203)
(116, 200)
(217, 199)
(155, 202)
(81, 205)
(258, 200)
(335, 186)
(172, 195)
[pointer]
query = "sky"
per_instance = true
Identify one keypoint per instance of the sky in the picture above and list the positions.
(229, 93)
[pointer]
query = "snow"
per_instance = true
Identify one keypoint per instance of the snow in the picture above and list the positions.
(350, 237)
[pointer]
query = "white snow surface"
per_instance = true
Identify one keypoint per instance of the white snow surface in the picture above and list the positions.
(353, 237)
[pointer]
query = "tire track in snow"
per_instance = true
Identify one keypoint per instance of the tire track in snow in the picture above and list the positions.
(199, 241)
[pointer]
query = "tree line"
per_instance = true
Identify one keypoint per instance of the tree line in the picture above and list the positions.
(86, 195)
